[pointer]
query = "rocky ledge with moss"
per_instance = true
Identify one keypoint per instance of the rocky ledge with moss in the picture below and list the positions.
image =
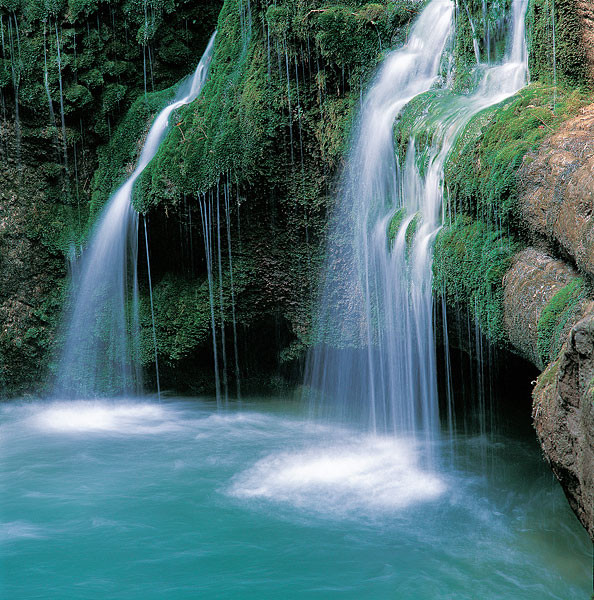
(517, 250)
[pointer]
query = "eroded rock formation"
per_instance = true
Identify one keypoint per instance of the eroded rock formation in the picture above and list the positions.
(563, 413)
(556, 198)
(539, 315)
(532, 282)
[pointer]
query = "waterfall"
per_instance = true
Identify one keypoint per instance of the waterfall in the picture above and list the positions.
(101, 353)
(374, 359)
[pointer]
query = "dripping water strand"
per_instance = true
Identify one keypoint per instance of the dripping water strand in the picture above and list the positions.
(205, 214)
(62, 119)
(233, 316)
(221, 298)
(148, 268)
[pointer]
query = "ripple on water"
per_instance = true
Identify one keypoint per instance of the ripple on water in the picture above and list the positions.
(15, 530)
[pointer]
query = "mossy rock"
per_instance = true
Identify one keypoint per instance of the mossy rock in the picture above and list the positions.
(555, 317)
(482, 168)
(470, 260)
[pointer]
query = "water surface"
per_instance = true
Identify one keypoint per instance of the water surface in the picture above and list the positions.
(136, 499)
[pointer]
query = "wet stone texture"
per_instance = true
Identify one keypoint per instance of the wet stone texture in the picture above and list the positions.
(563, 412)
(556, 203)
(563, 406)
(556, 197)
(532, 281)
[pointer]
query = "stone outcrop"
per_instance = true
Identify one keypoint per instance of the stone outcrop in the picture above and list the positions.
(563, 413)
(556, 199)
(32, 267)
(563, 409)
(528, 287)
(556, 205)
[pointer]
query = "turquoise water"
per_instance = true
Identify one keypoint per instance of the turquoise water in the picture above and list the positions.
(144, 500)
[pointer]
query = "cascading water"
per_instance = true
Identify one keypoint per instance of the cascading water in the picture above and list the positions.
(375, 356)
(100, 353)
(358, 330)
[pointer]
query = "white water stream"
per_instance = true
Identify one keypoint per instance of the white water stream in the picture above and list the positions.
(101, 349)
(375, 362)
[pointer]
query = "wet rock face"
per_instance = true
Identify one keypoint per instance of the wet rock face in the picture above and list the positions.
(549, 319)
(563, 414)
(32, 269)
(556, 203)
(556, 197)
(529, 285)
(585, 10)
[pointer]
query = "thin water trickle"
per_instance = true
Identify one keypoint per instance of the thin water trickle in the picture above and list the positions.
(99, 355)
(205, 206)
(221, 297)
(232, 288)
(62, 119)
(150, 283)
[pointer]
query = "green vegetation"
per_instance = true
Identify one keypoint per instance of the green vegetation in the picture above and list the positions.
(546, 378)
(96, 52)
(566, 46)
(117, 157)
(470, 261)
(557, 314)
(47, 164)
(272, 123)
(415, 123)
(481, 171)
(279, 100)
(395, 224)
(477, 22)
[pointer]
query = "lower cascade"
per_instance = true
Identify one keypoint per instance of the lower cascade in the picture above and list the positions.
(367, 478)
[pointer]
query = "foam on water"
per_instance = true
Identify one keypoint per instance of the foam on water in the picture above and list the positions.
(14, 530)
(371, 474)
(103, 417)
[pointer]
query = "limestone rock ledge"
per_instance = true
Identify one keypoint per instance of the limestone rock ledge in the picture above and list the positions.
(556, 190)
(556, 204)
(563, 408)
(563, 412)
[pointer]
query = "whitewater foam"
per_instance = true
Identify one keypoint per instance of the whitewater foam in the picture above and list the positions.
(371, 474)
(103, 417)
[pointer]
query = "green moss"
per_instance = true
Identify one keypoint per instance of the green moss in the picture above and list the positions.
(108, 53)
(555, 316)
(469, 263)
(414, 124)
(45, 199)
(480, 24)
(395, 223)
(284, 92)
(481, 171)
(546, 378)
(182, 317)
(116, 158)
(566, 46)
